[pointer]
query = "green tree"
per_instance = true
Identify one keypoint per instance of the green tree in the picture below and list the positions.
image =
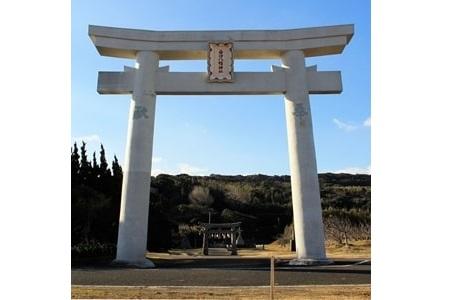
(104, 170)
(75, 164)
(85, 165)
(90, 205)
(95, 180)
(116, 168)
(95, 166)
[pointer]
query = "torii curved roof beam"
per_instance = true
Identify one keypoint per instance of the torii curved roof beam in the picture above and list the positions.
(247, 44)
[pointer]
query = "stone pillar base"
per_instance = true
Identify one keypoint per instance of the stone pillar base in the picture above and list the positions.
(309, 262)
(141, 264)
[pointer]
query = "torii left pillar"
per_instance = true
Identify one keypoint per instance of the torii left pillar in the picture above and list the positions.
(132, 239)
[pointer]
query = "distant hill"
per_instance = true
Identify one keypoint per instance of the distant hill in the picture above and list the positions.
(261, 202)
(178, 203)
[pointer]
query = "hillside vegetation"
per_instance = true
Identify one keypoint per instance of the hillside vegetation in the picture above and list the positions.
(178, 203)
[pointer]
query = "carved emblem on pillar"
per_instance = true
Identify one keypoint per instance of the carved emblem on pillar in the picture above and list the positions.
(300, 111)
(140, 112)
(220, 62)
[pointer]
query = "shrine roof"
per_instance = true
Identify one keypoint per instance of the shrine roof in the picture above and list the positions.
(220, 225)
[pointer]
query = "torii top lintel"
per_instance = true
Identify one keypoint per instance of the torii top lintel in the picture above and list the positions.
(248, 44)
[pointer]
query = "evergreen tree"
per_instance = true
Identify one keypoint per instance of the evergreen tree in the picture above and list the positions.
(95, 171)
(104, 171)
(85, 165)
(116, 190)
(94, 162)
(75, 164)
(116, 168)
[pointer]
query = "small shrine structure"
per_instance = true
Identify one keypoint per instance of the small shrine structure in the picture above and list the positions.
(228, 233)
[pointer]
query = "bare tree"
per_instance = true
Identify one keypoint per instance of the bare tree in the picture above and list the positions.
(338, 229)
(200, 196)
(362, 232)
(341, 228)
(287, 235)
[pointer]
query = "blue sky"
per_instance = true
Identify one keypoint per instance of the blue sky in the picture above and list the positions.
(201, 135)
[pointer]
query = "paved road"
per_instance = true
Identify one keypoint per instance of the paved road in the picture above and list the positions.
(222, 272)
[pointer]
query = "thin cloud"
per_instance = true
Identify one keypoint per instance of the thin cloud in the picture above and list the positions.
(182, 168)
(93, 138)
(185, 168)
(344, 126)
(354, 170)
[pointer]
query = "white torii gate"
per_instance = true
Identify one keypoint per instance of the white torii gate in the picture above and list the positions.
(147, 80)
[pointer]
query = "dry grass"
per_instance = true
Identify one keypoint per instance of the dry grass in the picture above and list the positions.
(354, 292)
(356, 249)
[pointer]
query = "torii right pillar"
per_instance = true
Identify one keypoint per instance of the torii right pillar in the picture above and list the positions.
(307, 211)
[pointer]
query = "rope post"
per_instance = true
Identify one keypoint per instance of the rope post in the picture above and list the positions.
(272, 276)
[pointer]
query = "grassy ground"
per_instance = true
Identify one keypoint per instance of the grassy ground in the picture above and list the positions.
(356, 249)
(354, 292)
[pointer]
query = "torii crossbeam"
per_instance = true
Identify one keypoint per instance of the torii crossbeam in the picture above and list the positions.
(195, 83)
(293, 79)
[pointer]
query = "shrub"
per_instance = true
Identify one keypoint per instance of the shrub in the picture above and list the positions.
(92, 249)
